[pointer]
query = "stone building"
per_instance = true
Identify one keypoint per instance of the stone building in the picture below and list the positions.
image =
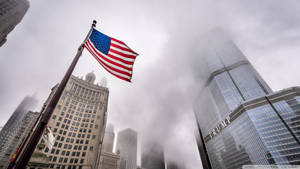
(78, 124)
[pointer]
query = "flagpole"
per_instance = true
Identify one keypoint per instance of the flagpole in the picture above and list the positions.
(37, 133)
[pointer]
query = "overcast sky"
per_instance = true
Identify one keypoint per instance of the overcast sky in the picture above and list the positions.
(158, 104)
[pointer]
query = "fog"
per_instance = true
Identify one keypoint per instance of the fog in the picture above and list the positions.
(158, 102)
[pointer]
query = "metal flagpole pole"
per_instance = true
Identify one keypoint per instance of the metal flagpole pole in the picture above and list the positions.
(36, 135)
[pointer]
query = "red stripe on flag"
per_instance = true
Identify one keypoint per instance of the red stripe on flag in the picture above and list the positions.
(112, 68)
(110, 61)
(122, 54)
(94, 55)
(122, 48)
(120, 59)
(118, 41)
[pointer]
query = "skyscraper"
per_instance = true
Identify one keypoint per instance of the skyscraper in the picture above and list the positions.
(241, 119)
(152, 155)
(109, 160)
(11, 13)
(109, 138)
(127, 144)
(78, 123)
(15, 128)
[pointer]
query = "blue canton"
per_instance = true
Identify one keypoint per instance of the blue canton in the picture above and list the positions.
(100, 41)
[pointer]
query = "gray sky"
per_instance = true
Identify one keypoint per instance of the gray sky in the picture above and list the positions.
(158, 104)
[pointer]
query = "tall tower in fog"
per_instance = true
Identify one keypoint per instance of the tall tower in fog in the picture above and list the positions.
(152, 155)
(109, 137)
(78, 123)
(13, 131)
(242, 121)
(12, 12)
(127, 144)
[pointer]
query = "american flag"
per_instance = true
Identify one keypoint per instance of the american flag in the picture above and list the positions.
(114, 55)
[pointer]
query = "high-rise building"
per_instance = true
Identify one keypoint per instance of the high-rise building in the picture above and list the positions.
(241, 119)
(15, 129)
(152, 155)
(11, 13)
(109, 137)
(127, 144)
(109, 160)
(174, 165)
(78, 123)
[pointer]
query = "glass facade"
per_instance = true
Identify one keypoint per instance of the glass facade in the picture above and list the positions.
(243, 122)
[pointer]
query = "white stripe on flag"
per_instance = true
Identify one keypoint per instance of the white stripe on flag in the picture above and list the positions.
(119, 44)
(122, 51)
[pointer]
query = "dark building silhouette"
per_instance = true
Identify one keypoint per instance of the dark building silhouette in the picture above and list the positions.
(152, 156)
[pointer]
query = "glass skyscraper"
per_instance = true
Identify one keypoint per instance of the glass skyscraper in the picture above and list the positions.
(242, 121)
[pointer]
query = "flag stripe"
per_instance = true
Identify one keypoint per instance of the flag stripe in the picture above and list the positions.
(121, 57)
(109, 65)
(121, 76)
(122, 51)
(122, 48)
(108, 59)
(118, 41)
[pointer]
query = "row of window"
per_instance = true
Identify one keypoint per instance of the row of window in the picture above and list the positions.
(65, 160)
(65, 167)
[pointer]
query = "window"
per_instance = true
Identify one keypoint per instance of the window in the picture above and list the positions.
(57, 152)
(96, 126)
(55, 130)
(65, 160)
(59, 145)
(86, 141)
(88, 136)
(54, 117)
(54, 159)
(91, 148)
(83, 154)
(94, 136)
(73, 153)
(85, 148)
(60, 119)
(46, 149)
(63, 152)
(52, 151)
(82, 161)
(68, 153)
(57, 124)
